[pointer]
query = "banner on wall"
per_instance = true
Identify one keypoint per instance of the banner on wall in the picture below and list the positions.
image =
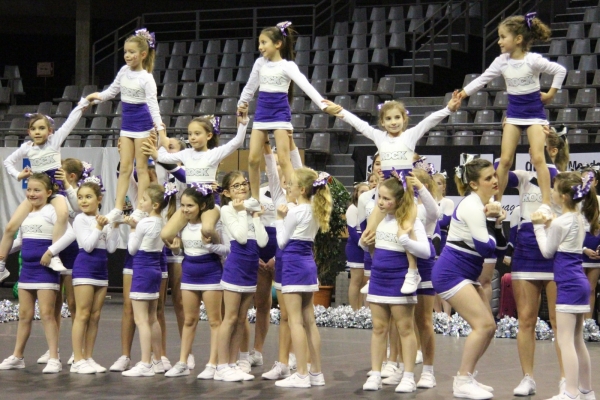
(576, 160)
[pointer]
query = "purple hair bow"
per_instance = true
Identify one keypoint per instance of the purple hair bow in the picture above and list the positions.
(93, 179)
(201, 188)
(529, 18)
(420, 163)
(399, 176)
(170, 190)
(586, 183)
(87, 170)
(431, 169)
(321, 181)
(283, 26)
(49, 118)
(149, 36)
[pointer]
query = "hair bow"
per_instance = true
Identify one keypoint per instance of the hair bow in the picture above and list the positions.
(283, 26)
(381, 105)
(170, 190)
(584, 187)
(149, 36)
(95, 180)
(431, 169)
(465, 158)
(399, 176)
(49, 118)
(216, 123)
(321, 181)
(87, 170)
(420, 163)
(529, 19)
(562, 133)
(443, 173)
(201, 188)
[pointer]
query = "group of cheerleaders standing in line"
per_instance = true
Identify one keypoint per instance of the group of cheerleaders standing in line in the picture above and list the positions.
(267, 233)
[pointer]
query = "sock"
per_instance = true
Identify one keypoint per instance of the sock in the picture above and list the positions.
(401, 366)
(244, 355)
(409, 375)
(314, 373)
(584, 391)
(428, 368)
(569, 395)
(147, 365)
(232, 365)
(222, 367)
(301, 376)
(2, 265)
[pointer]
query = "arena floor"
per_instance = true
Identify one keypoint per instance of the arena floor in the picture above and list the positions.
(346, 360)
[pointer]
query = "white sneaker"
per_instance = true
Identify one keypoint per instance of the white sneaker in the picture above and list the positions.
(316, 379)
(294, 381)
(166, 363)
(56, 264)
(191, 362)
(158, 367)
(179, 369)
(388, 369)
(82, 367)
(4, 274)
(419, 359)
(115, 215)
(279, 371)
(406, 385)
(292, 364)
(365, 289)
(71, 359)
(467, 388)
(411, 281)
(481, 385)
(99, 368)
(255, 358)
(427, 380)
(394, 379)
(12, 362)
(373, 383)
(122, 364)
(245, 375)
(138, 214)
(228, 374)
(587, 396)
(44, 357)
(208, 373)
(244, 366)
(140, 369)
(563, 396)
(53, 366)
(252, 204)
(526, 387)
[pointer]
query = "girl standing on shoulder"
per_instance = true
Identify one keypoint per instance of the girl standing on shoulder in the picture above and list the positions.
(521, 70)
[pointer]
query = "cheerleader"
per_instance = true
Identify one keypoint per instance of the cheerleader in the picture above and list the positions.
(145, 245)
(591, 250)
(446, 209)
(563, 240)
(515, 222)
(390, 266)
(355, 255)
(246, 234)
(296, 231)
(471, 238)
(201, 278)
(95, 238)
(36, 281)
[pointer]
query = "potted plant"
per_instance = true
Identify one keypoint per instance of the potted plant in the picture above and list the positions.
(327, 248)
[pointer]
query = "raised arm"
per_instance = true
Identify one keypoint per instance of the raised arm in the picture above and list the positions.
(362, 126)
(58, 137)
(277, 193)
(218, 154)
(115, 87)
(431, 207)
(493, 71)
(411, 136)
(293, 72)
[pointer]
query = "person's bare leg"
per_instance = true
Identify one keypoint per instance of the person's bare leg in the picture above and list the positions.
(593, 274)
(262, 301)
(424, 323)
(142, 321)
(10, 230)
(62, 217)
(232, 301)
(285, 338)
(141, 166)
(46, 299)
(257, 142)
(209, 219)
(282, 141)
(176, 297)
(485, 279)
(511, 134)
(293, 302)
(92, 330)
(160, 315)
(84, 297)
(238, 333)
(380, 314)
(312, 333)
(212, 301)
(26, 312)
(127, 319)
(191, 310)
(550, 287)
(127, 154)
(527, 298)
(403, 316)
(537, 144)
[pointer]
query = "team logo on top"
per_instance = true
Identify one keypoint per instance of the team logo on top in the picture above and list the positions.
(40, 161)
(387, 237)
(251, 227)
(134, 93)
(197, 171)
(31, 229)
(522, 81)
(393, 155)
(532, 198)
(268, 206)
(273, 80)
(189, 244)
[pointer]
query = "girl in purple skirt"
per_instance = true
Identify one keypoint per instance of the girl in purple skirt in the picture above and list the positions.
(95, 238)
(562, 238)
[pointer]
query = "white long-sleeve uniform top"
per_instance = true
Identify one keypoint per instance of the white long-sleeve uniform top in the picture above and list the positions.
(39, 225)
(275, 193)
(566, 234)
(275, 77)
(72, 203)
(136, 87)
(428, 212)
(47, 156)
(398, 151)
(352, 217)
(146, 236)
(241, 227)
(201, 166)
(365, 206)
(530, 195)
(89, 237)
(298, 224)
(191, 237)
(521, 76)
(386, 238)
(446, 210)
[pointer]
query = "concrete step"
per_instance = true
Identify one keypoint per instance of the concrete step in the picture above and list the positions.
(424, 61)
(341, 159)
(340, 170)
(574, 17)
(404, 74)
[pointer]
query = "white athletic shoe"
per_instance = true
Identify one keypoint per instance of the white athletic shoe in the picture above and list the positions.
(99, 368)
(427, 381)
(208, 373)
(279, 371)
(82, 367)
(563, 396)
(191, 362)
(122, 364)
(179, 369)
(406, 385)
(115, 215)
(140, 369)
(411, 281)
(389, 369)
(12, 362)
(138, 214)
(255, 358)
(244, 366)
(56, 264)
(526, 387)
(228, 374)
(252, 204)
(4, 274)
(45, 357)
(158, 367)
(292, 364)
(394, 379)
(316, 379)
(53, 366)
(372, 383)
(71, 359)
(467, 388)
(294, 381)
(481, 385)
(365, 289)
(166, 363)
(587, 396)
(247, 376)
(419, 359)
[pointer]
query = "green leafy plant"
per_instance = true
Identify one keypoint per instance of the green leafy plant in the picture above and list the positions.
(327, 247)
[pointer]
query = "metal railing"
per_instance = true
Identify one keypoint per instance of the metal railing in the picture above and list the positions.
(436, 29)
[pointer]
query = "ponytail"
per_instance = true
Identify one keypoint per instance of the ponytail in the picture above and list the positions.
(559, 142)
(533, 31)
(322, 204)
(404, 197)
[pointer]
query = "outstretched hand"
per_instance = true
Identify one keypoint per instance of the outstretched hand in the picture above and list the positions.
(332, 108)
(455, 101)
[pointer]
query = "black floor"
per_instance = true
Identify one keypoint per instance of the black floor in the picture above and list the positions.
(346, 359)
